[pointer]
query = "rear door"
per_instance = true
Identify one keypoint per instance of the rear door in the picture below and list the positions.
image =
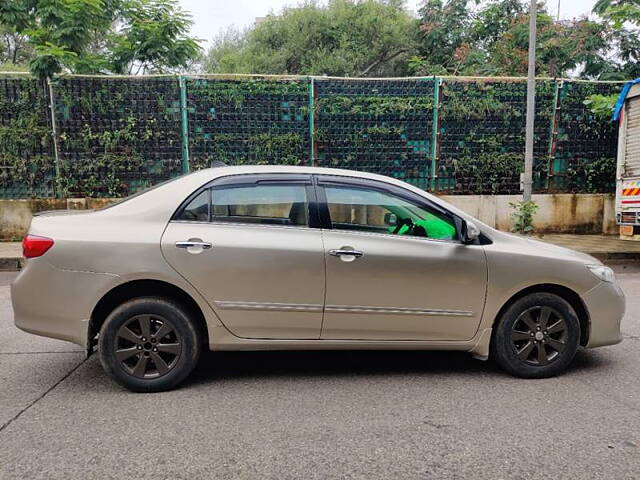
(247, 244)
(395, 269)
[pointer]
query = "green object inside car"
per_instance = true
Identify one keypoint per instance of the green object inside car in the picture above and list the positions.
(435, 227)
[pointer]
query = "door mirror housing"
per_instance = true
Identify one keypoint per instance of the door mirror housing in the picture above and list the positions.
(469, 232)
(390, 219)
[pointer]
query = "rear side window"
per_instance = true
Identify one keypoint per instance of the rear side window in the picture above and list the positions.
(285, 205)
(198, 209)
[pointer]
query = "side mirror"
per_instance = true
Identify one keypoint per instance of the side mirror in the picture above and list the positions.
(391, 219)
(469, 232)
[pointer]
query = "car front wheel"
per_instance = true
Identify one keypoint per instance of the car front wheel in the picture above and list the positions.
(536, 337)
(149, 344)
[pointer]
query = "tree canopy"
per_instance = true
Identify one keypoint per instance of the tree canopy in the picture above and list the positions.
(96, 36)
(449, 37)
(343, 38)
(363, 38)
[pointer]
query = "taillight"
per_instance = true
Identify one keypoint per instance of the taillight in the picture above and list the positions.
(35, 246)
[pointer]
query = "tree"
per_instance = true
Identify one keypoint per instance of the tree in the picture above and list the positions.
(561, 46)
(493, 39)
(153, 38)
(622, 20)
(346, 38)
(99, 36)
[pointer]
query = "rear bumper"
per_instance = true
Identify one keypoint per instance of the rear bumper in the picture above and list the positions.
(56, 303)
(606, 306)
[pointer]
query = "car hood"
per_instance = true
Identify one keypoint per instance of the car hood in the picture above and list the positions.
(548, 249)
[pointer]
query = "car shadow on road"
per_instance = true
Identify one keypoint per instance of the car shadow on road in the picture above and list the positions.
(304, 364)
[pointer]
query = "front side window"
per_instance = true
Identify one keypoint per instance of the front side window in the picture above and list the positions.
(285, 205)
(369, 210)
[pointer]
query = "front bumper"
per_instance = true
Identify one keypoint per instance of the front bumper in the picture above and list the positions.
(56, 303)
(606, 306)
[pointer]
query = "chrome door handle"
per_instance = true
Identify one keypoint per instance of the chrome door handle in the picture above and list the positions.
(190, 243)
(351, 253)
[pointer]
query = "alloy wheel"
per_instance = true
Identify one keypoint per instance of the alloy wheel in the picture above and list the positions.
(539, 335)
(147, 346)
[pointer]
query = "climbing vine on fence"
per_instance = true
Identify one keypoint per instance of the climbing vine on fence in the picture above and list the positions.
(382, 126)
(116, 135)
(26, 164)
(250, 121)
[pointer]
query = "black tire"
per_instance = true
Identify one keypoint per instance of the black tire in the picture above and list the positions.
(149, 344)
(536, 337)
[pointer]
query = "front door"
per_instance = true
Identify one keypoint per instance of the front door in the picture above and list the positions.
(395, 269)
(246, 245)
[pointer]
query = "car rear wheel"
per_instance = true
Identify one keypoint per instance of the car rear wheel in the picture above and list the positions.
(536, 337)
(149, 344)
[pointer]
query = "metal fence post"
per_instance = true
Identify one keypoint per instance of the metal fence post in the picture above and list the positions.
(184, 123)
(54, 131)
(435, 133)
(312, 143)
(553, 137)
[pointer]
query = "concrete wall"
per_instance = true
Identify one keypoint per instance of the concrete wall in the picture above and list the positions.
(15, 215)
(558, 213)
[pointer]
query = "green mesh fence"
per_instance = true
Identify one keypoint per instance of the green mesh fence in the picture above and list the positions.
(250, 121)
(375, 126)
(482, 129)
(26, 151)
(116, 135)
(586, 147)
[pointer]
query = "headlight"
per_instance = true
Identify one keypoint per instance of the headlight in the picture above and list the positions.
(603, 273)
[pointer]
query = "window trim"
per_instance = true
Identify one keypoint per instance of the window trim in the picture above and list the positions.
(255, 179)
(323, 181)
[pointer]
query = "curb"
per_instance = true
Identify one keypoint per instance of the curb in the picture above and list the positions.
(615, 256)
(11, 264)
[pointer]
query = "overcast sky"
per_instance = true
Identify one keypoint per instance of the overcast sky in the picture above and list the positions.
(213, 16)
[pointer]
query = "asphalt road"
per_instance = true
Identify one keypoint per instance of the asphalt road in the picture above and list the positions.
(320, 415)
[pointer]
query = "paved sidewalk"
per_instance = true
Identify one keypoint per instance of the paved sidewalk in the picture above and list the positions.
(604, 247)
(10, 256)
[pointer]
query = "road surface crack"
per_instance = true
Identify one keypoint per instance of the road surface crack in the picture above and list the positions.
(40, 397)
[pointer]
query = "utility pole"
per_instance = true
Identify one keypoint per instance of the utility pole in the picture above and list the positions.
(527, 180)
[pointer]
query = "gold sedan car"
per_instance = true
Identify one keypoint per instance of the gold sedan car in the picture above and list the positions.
(278, 258)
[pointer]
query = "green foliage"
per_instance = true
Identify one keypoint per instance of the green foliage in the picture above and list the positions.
(622, 20)
(522, 217)
(601, 105)
(488, 173)
(374, 106)
(494, 39)
(92, 36)
(339, 37)
(236, 93)
(600, 175)
(346, 38)
(25, 139)
(117, 135)
(154, 38)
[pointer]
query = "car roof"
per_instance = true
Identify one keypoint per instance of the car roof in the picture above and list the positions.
(246, 169)
(161, 202)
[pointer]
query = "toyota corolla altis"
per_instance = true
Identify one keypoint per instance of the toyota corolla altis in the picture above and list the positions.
(279, 258)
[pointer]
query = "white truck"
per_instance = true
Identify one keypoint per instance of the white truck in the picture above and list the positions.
(628, 165)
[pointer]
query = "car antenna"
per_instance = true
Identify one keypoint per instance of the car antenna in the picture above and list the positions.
(218, 163)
